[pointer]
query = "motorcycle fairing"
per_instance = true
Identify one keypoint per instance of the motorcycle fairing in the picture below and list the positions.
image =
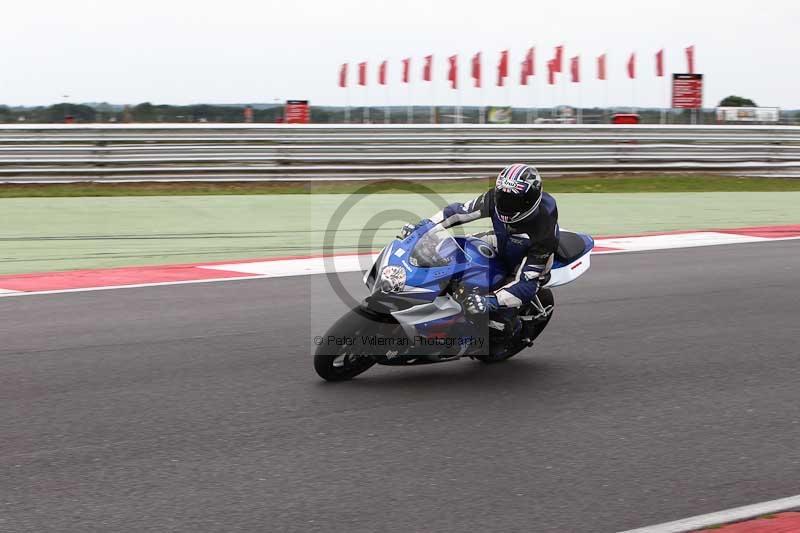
(572, 260)
(435, 311)
(427, 315)
(424, 308)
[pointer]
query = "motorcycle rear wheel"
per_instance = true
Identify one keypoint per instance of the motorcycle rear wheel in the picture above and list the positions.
(546, 297)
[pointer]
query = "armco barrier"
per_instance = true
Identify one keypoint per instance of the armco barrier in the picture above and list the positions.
(270, 151)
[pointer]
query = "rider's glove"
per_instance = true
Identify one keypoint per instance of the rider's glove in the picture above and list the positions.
(408, 229)
(475, 304)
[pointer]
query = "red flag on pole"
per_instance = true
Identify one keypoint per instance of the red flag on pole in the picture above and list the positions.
(406, 70)
(660, 63)
(476, 69)
(362, 73)
(502, 68)
(530, 67)
(690, 59)
(343, 75)
(427, 69)
(632, 66)
(601, 67)
(452, 73)
(382, 73)
(551, 72)
(575, 69)
(557, 61)
(526, 67)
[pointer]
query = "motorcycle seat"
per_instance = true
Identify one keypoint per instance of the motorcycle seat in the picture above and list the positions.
(570, 247)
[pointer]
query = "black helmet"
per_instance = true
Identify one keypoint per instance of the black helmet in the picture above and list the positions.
(518, 193)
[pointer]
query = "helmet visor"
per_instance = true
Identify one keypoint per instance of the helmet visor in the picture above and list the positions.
(514, 207)
(508, 203)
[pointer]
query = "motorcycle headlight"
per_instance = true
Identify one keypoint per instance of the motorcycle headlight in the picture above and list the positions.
(393, 279)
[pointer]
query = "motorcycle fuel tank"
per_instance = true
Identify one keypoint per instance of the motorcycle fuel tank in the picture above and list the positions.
(487, 271)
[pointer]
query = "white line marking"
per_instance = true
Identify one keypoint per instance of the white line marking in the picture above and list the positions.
(737, 514)
(137, 286)
(299, 267)
(359, 262)
(5, 292)
(680, 240)
(632, 244)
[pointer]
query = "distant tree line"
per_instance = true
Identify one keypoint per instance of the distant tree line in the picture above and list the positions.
(736, 101)
(144, 112)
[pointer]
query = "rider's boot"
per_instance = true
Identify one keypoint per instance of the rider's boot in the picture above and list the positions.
(504, 329)
(535, 317)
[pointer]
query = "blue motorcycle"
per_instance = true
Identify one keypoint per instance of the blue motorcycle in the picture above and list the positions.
(413, 314)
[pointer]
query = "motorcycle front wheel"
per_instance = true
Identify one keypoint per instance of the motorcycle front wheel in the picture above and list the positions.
(342, 353)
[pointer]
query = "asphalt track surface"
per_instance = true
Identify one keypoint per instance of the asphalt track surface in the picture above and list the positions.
(667, 385)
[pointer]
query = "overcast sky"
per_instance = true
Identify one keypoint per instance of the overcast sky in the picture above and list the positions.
(232, 51)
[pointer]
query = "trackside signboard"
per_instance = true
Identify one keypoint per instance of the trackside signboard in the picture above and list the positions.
(297, 112)
(687, 91)
(748, 114)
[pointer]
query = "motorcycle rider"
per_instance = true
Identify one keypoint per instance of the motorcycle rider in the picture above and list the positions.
(525, 236)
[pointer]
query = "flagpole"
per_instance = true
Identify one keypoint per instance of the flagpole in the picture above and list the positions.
(604, 80)
(529, 114)
(632, 70)
(365, 115)
(526, 89)
(386, 118)
(660, 72)
(481, 103)
(534, 88)
(632, 76)
(347, 104)
(433, 103)
(410, 109)
(509, 96)
(433, 99)
(482, 96)
(386, 106)
(482, 110)
(457, 87)
(458, 99)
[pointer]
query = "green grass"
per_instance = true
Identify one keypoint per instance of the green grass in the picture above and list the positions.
(596, 183)
(46, 234)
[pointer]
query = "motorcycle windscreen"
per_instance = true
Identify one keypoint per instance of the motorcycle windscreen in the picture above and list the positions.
(437, 248)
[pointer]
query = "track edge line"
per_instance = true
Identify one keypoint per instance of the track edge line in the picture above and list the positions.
(736, 514)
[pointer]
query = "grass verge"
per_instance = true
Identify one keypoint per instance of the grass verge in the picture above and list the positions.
(595, 183)
(47, 234)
